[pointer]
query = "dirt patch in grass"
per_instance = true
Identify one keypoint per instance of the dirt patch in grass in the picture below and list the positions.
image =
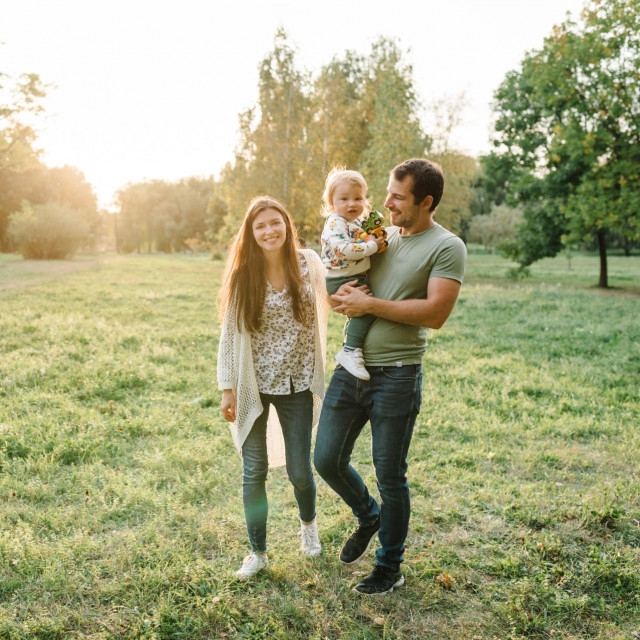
(18, 274)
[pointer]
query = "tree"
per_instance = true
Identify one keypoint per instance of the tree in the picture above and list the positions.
(493, 229)
(394, 130)
(163, 216)
(568, 128)
(360, 111)
(48, 231)
(20, 104)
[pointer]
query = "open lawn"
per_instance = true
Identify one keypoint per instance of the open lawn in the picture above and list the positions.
(120, 488)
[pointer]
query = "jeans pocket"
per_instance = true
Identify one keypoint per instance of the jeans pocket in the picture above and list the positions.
(400, 375)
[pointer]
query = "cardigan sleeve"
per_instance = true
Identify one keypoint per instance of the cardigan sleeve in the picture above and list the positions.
(227, 365)
(317, 274)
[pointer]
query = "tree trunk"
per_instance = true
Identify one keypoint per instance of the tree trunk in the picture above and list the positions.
(602, 247)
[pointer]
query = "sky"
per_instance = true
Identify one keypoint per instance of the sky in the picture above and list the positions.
(152, 89)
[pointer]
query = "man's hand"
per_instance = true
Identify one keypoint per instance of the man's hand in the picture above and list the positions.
(351, 301)
(228, 405)
(334, 302)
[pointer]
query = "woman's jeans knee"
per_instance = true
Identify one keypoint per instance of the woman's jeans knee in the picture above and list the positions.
(295, 412)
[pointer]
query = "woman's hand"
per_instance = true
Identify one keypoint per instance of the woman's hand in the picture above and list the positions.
(228, 405)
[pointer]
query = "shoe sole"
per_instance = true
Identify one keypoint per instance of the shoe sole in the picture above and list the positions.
(346, 368)
(243, 577)
(381, 593)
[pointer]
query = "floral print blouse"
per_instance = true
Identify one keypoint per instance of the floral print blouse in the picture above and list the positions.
(283, 349)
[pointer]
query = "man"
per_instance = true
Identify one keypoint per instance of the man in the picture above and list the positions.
(416, 284)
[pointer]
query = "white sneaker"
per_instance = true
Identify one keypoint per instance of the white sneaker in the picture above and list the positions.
(251, 565)
(353, 362)
(310, 542)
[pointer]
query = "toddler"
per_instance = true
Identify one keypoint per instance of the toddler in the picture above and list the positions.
(345, 203)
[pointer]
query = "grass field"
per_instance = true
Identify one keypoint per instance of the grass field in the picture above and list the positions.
(120, 489)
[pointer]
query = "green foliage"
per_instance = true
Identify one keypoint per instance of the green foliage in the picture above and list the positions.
(395, 133)
(569, 134)
(165, 216)
(20, 106)
(20, 101)
(48, 231)
(454, 210)
(121, 489)
(360, 111)
(43, 185)
(496, 227)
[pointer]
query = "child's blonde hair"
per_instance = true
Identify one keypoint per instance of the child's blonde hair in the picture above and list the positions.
(339, 174)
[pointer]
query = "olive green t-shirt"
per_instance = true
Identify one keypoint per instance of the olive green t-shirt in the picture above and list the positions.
(402, 272)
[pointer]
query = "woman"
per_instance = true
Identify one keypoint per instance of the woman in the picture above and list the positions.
(271, 353)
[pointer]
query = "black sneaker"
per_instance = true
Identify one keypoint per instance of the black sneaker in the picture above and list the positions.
(380, 581)
(358, 543)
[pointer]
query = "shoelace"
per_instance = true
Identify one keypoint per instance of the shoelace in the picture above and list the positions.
(308, 539)
(250, 562)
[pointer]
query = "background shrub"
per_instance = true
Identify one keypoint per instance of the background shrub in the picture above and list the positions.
(47, 231)
(493, 229)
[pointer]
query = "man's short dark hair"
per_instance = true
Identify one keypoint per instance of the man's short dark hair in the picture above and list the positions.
(427, 176)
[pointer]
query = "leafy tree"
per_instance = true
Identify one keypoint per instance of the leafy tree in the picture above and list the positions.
(493, 229)
(47, 231)
(360, 111)
(568, 129)
(162, 216)
(394, 130)
(339, 124)
(454, 210)
(20, 104)
(40, 184)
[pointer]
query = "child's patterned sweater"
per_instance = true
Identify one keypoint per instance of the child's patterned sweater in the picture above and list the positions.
(341, 254)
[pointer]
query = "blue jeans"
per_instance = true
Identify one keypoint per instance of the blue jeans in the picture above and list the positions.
(391, 402)
(295, 412)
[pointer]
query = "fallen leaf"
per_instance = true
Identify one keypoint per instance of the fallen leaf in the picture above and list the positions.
(445, 580)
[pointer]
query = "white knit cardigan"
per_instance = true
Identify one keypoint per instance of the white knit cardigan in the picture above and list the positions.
(236, 370)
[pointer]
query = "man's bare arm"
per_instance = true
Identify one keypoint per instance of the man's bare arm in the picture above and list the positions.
(442, 294)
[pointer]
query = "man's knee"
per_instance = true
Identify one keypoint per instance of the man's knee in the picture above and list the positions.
(325, 463)
(390, 476)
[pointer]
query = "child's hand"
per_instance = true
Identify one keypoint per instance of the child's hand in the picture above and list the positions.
(380, 241)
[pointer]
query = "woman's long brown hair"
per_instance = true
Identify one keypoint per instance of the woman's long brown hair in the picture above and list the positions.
(245, 280)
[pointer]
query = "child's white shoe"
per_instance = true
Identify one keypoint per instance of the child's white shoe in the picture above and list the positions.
(353, 362)
(253, 563)
(310, 541)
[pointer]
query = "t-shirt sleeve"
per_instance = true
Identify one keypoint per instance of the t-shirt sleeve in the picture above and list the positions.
(451, 260)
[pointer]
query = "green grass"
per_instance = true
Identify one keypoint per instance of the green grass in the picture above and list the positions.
(120, 488)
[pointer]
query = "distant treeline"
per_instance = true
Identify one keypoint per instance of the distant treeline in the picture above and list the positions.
(564, 172)
(359, 111)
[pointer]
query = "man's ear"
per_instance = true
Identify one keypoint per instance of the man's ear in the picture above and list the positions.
(425, 205)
